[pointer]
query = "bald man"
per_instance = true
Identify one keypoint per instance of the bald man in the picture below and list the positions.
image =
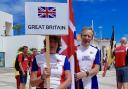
(121, 64)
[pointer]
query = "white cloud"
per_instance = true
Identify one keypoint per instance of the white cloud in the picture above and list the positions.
(82, 0)
(100, 27)
(114, 10)
(126, 35)
(102, 0)
(14, 8)
(11, 7)
(90, 0)
(18, 8)
(4, 1)
(4, 7)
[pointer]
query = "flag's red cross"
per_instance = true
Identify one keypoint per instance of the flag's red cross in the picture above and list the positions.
(47, 12)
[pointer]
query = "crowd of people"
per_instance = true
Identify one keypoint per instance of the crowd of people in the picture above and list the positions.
(59, 71)
(25, 60)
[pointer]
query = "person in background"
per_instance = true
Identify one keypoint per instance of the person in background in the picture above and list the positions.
(121, 64)
(32, 57)
(23, 64)
(89, 60)
(42, 50)
(17, 75)
(59, 71)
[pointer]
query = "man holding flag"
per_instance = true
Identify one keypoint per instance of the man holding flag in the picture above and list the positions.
(69, 49)
(88, 59)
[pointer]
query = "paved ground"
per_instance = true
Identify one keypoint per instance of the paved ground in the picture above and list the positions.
(107, 82)
(7, 79)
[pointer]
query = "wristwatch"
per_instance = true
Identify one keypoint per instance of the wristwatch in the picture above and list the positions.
(87, 73)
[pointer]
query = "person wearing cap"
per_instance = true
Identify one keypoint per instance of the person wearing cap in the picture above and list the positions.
(121, 64)
(59, 71)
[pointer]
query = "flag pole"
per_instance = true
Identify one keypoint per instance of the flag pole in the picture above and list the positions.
(112, 41)
(92, 25)
(47, 59)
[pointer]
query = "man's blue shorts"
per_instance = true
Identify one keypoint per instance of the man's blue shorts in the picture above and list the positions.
(23, 78)
(122, 74)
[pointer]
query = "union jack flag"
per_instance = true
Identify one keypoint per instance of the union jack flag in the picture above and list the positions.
(69, 44)
(46, 12)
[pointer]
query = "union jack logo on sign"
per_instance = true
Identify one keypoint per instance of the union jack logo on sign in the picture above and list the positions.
(46, 12)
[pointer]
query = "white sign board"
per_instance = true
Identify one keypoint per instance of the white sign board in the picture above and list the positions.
(46, 18)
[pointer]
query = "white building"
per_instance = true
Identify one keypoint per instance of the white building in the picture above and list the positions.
(6, 24)
(9, 44)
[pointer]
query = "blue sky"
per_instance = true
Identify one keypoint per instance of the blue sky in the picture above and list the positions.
(104, 14)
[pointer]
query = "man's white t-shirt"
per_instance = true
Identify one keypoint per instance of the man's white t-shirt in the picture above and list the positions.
(86, 58)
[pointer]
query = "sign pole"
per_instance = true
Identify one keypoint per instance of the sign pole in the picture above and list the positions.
(48, 59)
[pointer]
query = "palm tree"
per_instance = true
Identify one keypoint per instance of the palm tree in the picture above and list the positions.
(17, 28)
